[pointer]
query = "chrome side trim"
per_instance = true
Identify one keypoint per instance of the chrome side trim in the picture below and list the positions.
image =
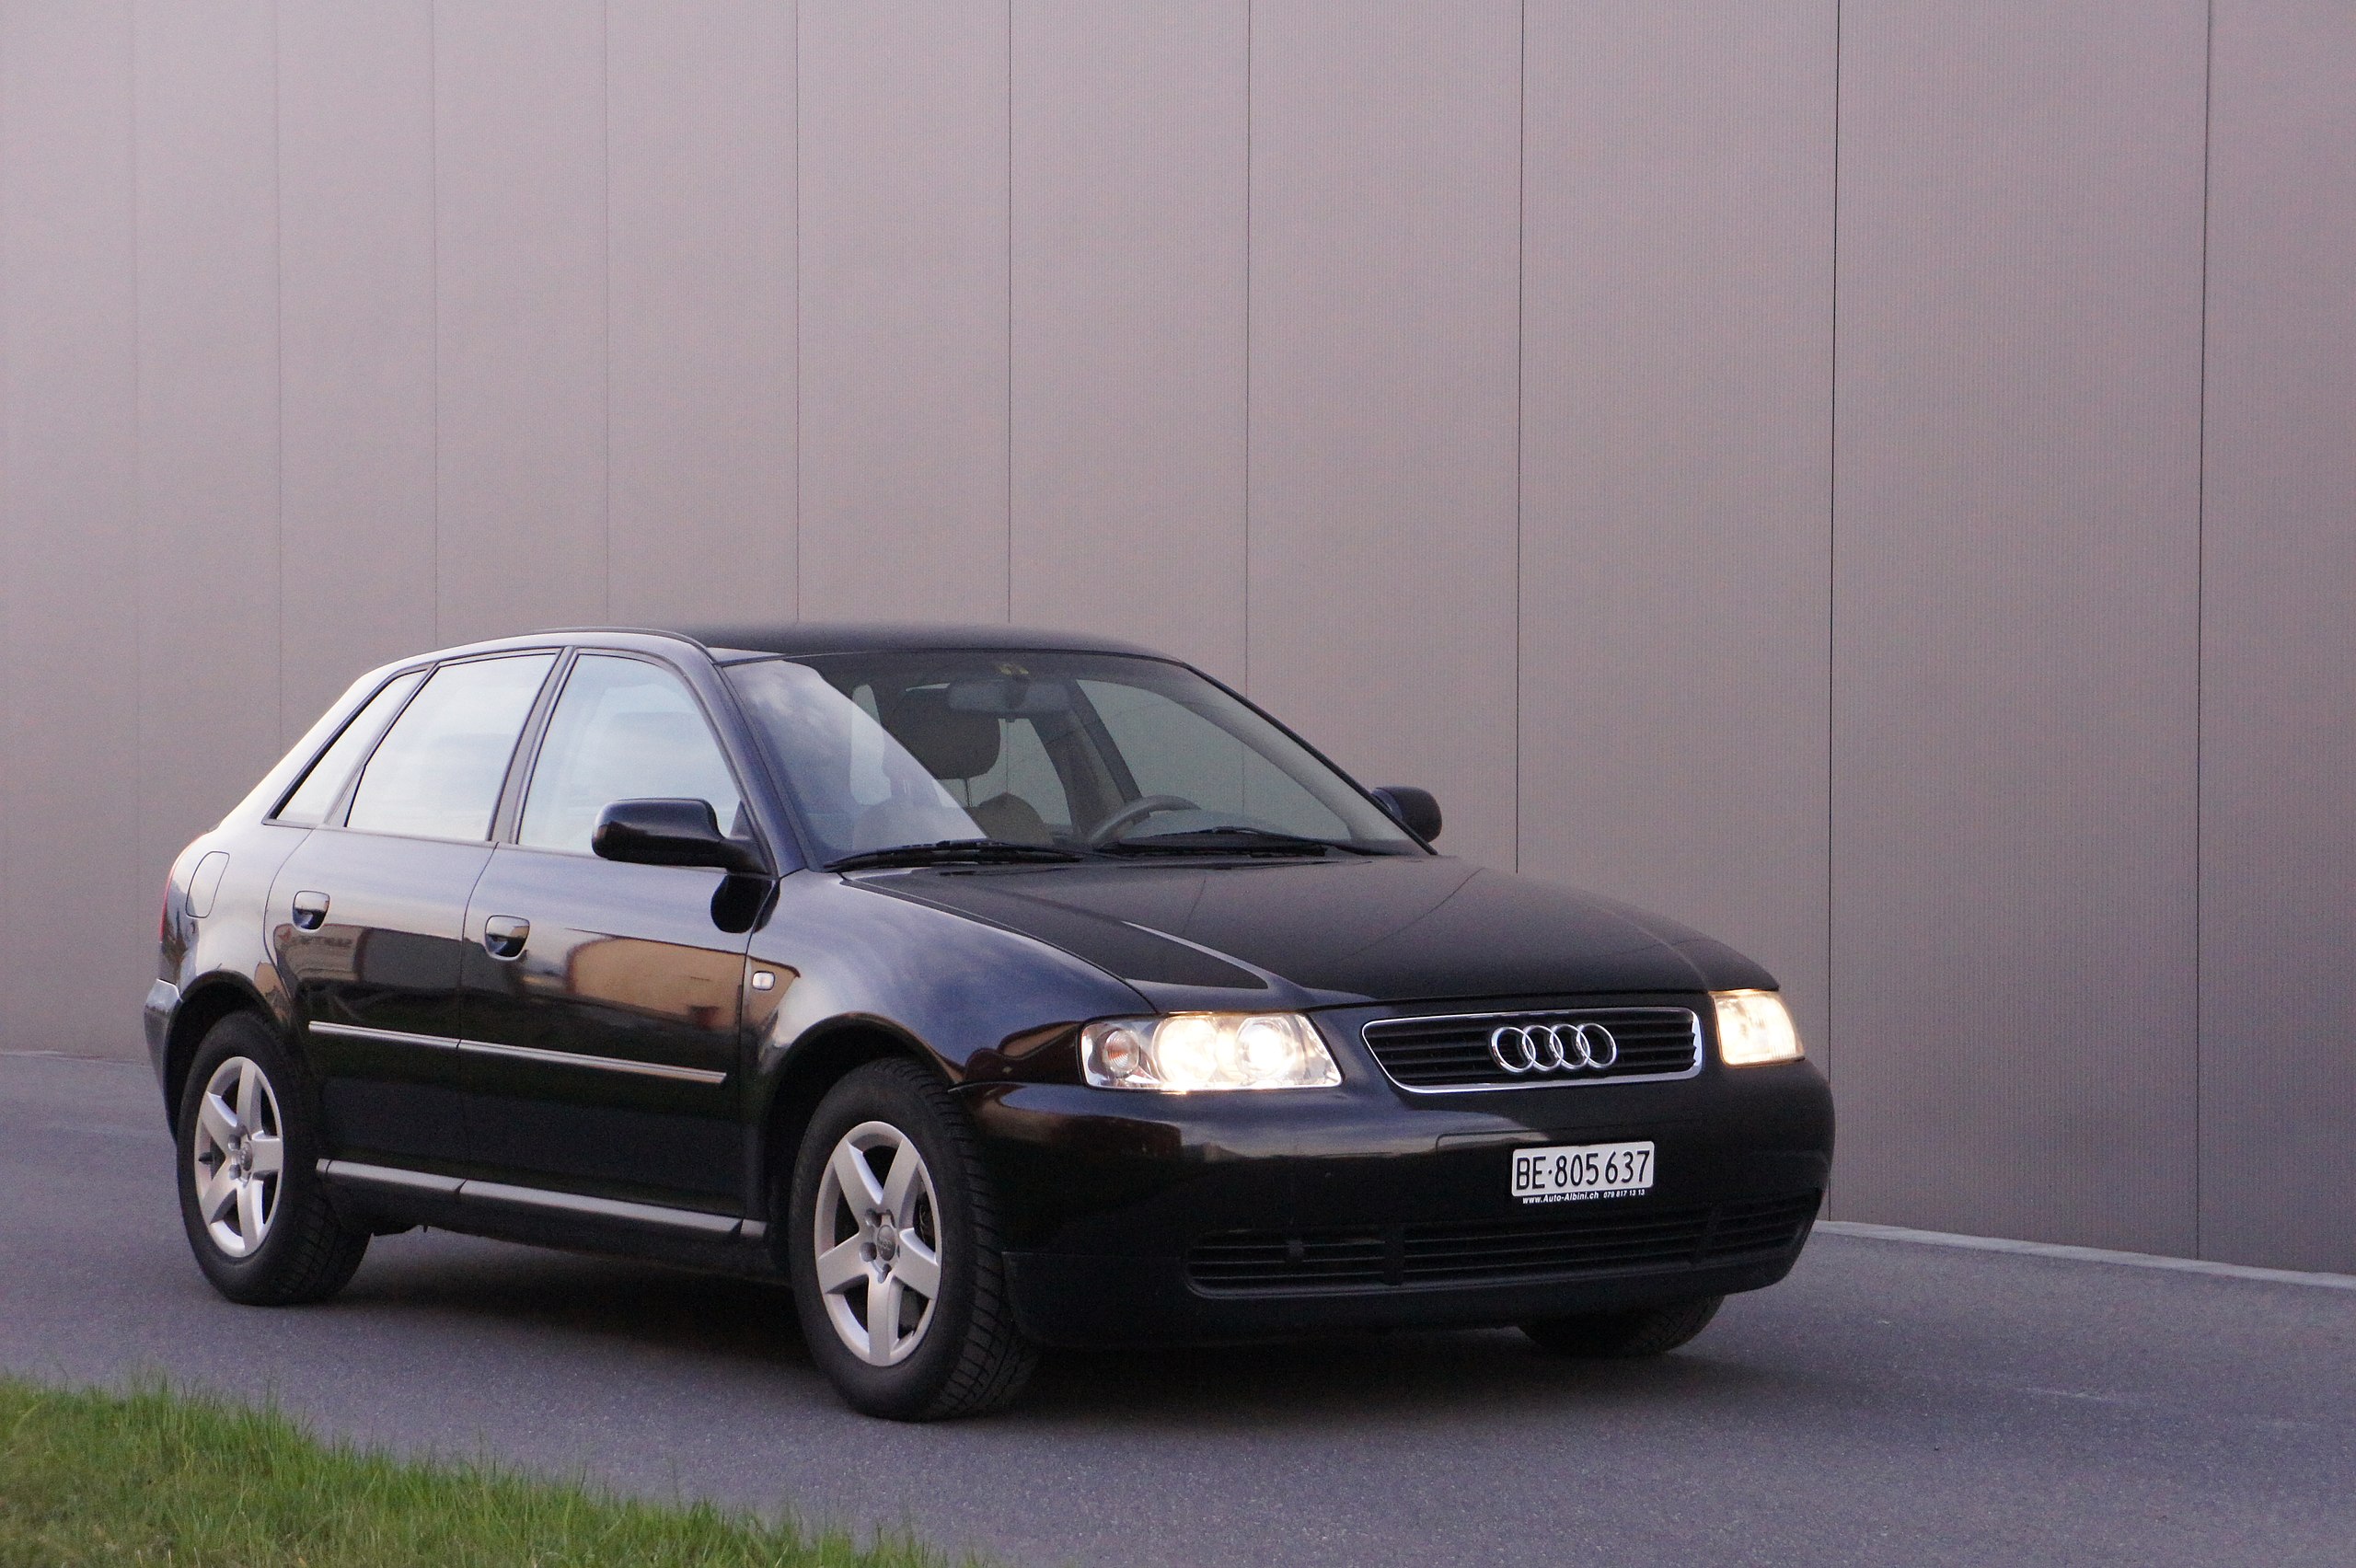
(598, 1208)
(390, 1176)
(385, 1036)
(469, 1190)
(602, 1064)
(1366, 1040)
(753, 1230)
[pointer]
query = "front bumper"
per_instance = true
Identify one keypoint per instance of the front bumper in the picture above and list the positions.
(1152, 1218)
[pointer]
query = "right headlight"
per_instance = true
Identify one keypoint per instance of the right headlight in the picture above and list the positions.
(1754, 1027)
(1186, 1052)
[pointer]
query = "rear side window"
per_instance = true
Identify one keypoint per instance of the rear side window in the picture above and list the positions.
(438, 772)
(623, 731)
(309, 802)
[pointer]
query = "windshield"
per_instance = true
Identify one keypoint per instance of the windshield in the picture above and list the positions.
(1087, 753)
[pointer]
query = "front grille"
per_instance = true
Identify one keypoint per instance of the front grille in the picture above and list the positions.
(1500, 1252)
(1435, 1056)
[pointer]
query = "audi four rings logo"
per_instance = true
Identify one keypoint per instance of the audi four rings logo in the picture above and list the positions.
(1553, 1047)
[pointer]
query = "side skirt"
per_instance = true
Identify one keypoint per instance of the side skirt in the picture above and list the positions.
(546, 1217)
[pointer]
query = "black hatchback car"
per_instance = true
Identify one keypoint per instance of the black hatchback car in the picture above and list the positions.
(999, 989)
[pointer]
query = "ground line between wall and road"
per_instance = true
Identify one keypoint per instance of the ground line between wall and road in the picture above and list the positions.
(2084, 1254)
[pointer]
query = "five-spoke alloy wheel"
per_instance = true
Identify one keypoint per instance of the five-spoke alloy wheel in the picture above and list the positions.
(894, 1250)
(877, 1238)
(240, 1156)
(258, 1217)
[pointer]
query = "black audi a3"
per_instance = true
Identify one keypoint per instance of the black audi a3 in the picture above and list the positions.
(999, 989)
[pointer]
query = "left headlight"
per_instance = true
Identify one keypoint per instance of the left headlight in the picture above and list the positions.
(1754, 1027)
(1197, 1050)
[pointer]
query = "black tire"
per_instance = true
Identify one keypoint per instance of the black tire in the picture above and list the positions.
(1641, 1331)
(968, 1357)
(306, 1253)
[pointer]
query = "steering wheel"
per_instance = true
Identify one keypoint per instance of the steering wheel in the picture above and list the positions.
(1137, 812)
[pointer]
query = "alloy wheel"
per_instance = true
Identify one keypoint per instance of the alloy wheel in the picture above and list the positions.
(240, 1156)
(877, 1240)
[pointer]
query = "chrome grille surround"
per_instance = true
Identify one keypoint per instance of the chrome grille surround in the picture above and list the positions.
(1451, 1053)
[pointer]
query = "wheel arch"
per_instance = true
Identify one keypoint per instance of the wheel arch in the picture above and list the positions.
(206, 1004)
(818, 1061)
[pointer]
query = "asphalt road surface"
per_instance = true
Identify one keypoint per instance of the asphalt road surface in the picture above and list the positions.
(1893, 1403)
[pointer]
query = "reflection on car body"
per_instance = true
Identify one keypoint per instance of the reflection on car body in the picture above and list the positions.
(999, 989)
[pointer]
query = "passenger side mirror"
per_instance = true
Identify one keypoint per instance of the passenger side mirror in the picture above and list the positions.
(1412, 808)
(670, 833)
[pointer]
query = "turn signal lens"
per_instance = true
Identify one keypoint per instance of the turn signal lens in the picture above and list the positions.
(1186, 1052)
(1754, 1027)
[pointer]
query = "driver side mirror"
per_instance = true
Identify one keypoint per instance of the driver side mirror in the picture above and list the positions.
(671, 833)
(1411, 807)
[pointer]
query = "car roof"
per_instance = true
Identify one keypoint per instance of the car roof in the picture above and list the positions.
(886, 637)
(793, 639)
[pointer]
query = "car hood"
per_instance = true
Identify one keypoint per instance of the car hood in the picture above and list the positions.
(1387, 929)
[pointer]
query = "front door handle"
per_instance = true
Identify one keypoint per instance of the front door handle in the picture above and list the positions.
(310, 910)
(503, 935)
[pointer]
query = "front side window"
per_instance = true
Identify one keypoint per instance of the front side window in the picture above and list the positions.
(438, 772)
(309, 804)
(1094, 754)
(624, 730)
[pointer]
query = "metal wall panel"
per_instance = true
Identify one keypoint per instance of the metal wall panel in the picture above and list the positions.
(904, 309)
(2278, 907)
(1130, 173)
(78, 915)
(1385, 196)
(355, 343)
(520, 221)
(1677, 467)
(700, 243)
(2013, 618)
(205, 111)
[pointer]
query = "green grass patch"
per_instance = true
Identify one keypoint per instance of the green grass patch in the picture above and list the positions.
(93, 1480)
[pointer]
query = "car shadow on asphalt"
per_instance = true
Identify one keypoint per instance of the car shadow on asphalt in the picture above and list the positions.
(751, 1324)
(1398, 1376)
(717, 1316)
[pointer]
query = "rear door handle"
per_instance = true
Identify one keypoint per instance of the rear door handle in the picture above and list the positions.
(503, 935)
(310, 910)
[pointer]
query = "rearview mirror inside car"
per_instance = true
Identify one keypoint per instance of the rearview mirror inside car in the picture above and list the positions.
(1009, 697)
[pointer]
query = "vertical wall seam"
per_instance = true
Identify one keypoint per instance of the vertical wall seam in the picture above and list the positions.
(278, 328)
(1248, 86)
(800, 273)
(1521, 379)
(1010, 311)
(433, 264)
(138, 470)
(606, 228)
(1831, 538)
(2200, 641)
(793, 208)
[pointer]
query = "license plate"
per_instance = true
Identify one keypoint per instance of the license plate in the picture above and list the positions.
(1570, 1173)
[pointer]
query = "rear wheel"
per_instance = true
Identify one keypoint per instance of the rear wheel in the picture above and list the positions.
(1641, 1332)
(893, 1251)
(257, 1214)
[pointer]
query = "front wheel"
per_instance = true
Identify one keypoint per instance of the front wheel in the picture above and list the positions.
(894, 1250)
(1644, 1330)
(257, 1214)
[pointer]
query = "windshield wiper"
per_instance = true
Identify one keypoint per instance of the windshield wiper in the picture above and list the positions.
(950, 851)
(1226, 841)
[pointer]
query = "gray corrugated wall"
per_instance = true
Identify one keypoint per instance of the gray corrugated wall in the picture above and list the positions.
(1871, 480)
